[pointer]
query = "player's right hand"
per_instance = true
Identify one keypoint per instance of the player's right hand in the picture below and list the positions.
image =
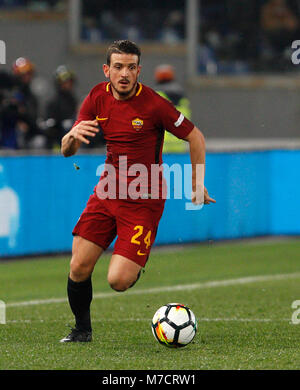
(85, 129)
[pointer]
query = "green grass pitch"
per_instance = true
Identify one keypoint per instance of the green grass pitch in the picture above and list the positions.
(241, 294)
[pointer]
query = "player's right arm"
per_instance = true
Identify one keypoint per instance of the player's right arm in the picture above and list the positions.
(72, 141)
(85, 126)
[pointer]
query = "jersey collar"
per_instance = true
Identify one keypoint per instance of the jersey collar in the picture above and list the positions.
(139, 90)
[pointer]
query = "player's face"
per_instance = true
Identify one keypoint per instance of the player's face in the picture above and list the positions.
(123, 73)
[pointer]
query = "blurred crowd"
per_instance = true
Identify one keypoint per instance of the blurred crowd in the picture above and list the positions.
(135, 20)
(21, 124)
(22, 127)
(35, 5)
(235, 36)
(249, 36)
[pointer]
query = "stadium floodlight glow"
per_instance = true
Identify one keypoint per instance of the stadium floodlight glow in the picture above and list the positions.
(2, 53)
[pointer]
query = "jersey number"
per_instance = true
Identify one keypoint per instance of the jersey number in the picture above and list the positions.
(147, 239)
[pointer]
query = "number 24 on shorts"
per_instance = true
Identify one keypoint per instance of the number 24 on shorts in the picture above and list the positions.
(137, 236)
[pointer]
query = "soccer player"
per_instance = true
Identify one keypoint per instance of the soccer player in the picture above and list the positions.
(132, 118)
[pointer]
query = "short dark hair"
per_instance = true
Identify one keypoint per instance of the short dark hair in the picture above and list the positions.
(123, 46)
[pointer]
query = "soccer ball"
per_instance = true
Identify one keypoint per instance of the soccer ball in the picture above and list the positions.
(174, 325)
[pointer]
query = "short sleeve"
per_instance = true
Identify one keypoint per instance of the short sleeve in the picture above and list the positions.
(173, 120)
(86, 110)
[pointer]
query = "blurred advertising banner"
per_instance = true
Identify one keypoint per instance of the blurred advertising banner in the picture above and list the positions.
(257, 194)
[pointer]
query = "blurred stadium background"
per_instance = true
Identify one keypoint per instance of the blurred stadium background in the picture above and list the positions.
(231, 59)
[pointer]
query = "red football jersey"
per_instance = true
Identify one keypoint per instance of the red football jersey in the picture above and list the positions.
(134, 131)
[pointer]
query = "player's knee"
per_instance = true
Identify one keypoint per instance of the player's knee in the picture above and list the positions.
(79, 270)
(121, 282)
(118, 283)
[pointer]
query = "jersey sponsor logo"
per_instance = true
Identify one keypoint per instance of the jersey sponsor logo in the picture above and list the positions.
(100, 119)
(141, 253)
(137, 123)
(179, 120)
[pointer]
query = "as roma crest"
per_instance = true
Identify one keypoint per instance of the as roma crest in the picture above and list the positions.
(137, 123)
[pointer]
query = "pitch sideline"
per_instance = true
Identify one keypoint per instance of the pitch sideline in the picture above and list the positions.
(180, 287)
(200, 319)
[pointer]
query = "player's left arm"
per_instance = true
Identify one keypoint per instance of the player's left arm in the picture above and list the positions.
(196, 142)
(174, 121)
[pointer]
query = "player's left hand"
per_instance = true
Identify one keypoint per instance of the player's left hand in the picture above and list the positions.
(197, 198)
(207, 198)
